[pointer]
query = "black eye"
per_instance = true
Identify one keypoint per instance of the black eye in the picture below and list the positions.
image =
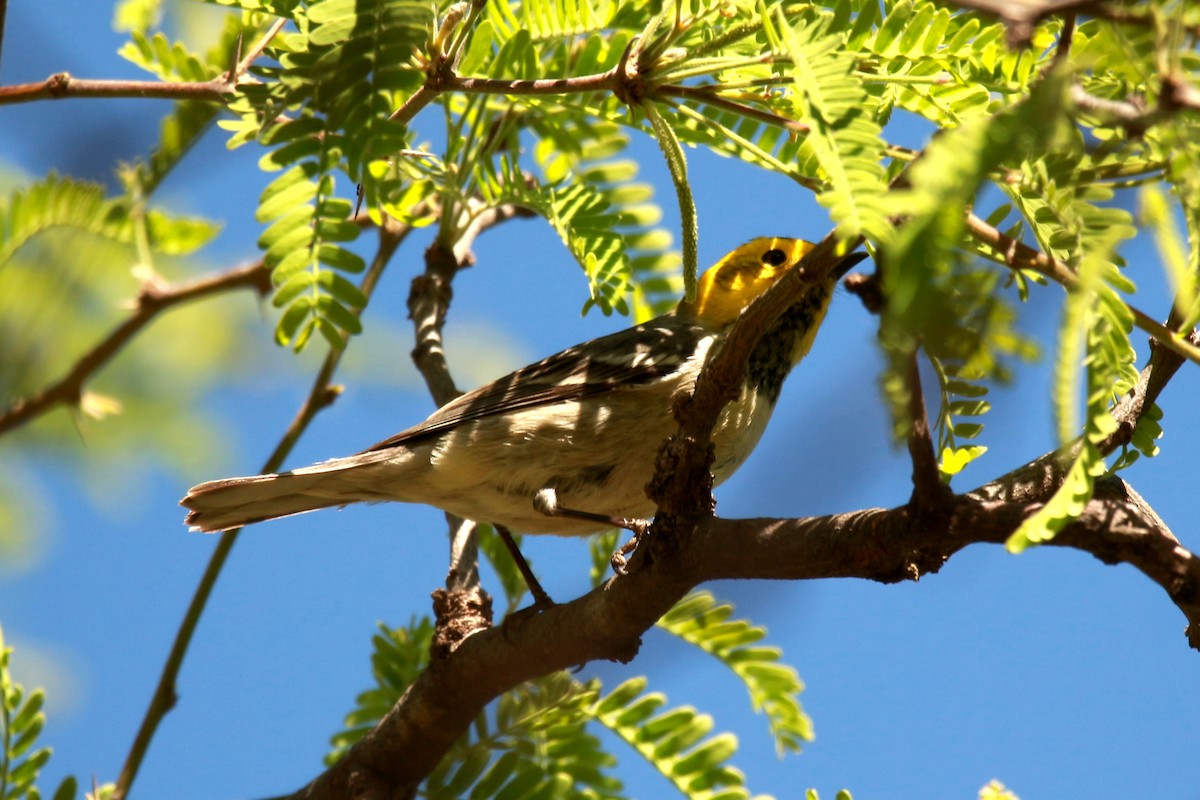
(774, 257)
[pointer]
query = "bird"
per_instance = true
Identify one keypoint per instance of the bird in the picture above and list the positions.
(582, 426)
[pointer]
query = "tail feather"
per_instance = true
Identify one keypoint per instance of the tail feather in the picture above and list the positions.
(234, 502)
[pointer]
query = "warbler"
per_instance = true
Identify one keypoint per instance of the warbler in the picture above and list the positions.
(585, 423)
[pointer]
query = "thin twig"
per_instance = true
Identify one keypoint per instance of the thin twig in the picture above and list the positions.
(1134, 117)
(320, 396)
(1163, 365)
(254, 52)
(3, 16)
(603, 81)
(151, 300)
(704, 95)
(450, 82)
(1065, 39)
(1021, 17)
(1019, 255)
(930, 494)
(428, 303)
(62, 85)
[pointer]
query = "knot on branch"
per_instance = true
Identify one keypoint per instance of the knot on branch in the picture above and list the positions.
(328, 396)
(439, 73)
(889, 544)
(458, 614)
(429, 292)
(628, 84)
(152, 294)
(59, 84)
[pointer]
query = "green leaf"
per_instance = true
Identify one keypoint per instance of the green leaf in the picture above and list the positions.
(288, 327)
(170, 61)
(398, 656)
(1179, 263)
(774, 687)
(178, 235)
(586, 223)
(21, 722)
(58, 202)
(955, 459)
(666, 741)
(554, 20)
(848, 144)
(934, 296)
(538, 747)
(67, 789)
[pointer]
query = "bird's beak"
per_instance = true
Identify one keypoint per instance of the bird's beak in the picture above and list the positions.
(847, 264)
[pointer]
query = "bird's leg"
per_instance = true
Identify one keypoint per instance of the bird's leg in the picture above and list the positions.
(540, 598)
(619, 557)
(546, 502)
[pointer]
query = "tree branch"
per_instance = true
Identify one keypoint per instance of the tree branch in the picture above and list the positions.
(709, 95)
(430, 294)
(876, 544)
(1018, 255)
(885, 545)
(1116, 527)
(63, 85)
(1021, 16)
(463, 606)
(930, 495)
(255, 51)
(152, 299)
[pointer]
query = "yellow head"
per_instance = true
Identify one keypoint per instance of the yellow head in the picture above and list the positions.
(733, 282)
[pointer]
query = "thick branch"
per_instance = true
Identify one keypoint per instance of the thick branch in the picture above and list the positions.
(1116, 527)
(723, 373)
(877, 544)
(151, 300)
(435, 711)
(608, 623)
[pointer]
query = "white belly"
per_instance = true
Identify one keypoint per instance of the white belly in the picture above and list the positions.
(599, 462)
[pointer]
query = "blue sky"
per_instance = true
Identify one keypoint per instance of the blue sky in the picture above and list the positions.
(1056, 674)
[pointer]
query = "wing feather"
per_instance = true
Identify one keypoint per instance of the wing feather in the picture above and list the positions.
(628, 358)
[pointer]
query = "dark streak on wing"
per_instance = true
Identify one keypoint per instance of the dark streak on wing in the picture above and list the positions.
(577, 372)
